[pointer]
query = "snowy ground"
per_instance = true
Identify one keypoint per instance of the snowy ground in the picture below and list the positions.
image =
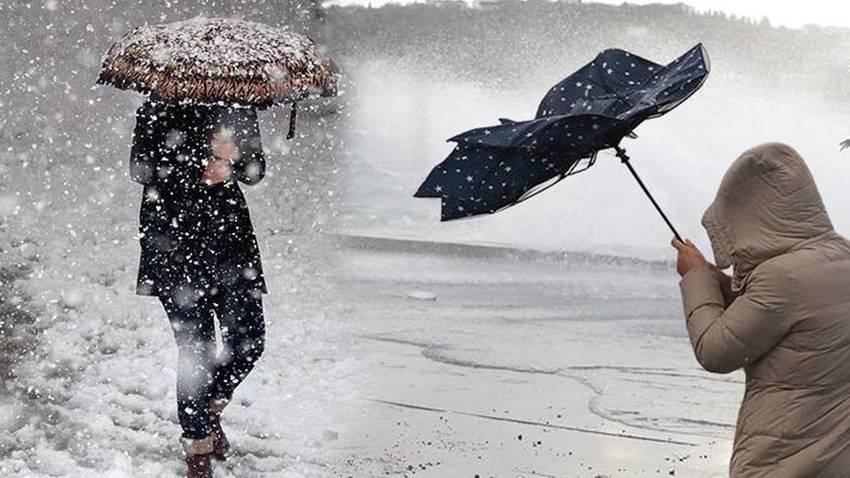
(97, 398)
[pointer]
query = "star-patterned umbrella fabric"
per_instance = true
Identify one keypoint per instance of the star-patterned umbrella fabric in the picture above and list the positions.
(496, 167)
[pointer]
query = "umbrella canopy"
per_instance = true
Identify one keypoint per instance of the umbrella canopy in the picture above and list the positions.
(593, 109)
(220, 60)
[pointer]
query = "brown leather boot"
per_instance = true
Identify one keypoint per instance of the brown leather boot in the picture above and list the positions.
(221, 445)
(198, 454)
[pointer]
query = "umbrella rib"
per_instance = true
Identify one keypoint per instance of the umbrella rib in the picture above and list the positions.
(608, 90)
(571, 171)
(528, 195)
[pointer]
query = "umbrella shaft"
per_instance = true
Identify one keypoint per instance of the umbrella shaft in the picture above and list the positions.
(293, 113)
(621, 153)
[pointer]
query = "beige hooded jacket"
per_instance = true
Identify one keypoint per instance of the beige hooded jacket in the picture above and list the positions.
(788, 324)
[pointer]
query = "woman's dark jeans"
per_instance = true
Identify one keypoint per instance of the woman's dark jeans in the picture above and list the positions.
(201, 375)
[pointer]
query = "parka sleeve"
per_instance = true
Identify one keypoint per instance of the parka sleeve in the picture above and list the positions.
(144, 163)
(726, 339)
(251, 166)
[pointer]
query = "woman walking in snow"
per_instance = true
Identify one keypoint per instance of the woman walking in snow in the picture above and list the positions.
(199, 255)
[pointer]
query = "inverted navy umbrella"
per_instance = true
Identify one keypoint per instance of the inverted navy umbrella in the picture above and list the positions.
(593, 109)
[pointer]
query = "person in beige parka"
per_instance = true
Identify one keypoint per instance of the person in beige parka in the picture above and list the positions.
(784, 316)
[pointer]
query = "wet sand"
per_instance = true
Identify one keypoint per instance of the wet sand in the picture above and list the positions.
(484, 361)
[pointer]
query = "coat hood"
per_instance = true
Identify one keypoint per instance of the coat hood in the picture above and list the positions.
(767, 204)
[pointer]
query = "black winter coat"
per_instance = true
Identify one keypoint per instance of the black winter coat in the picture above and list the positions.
(195, 238)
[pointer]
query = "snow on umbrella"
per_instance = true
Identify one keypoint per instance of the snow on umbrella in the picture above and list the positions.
(593, 109)
(220, 60)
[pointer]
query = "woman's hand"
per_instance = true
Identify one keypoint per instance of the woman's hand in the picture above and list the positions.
(225, 153)
(690, 258)
(217, 171)
(224, 147)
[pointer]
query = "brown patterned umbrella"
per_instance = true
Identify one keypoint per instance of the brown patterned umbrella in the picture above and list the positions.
(220, 60)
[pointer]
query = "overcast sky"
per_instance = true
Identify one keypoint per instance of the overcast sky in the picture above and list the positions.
(791, 13)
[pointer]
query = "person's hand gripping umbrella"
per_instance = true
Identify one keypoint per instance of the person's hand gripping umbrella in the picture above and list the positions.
(593, 109)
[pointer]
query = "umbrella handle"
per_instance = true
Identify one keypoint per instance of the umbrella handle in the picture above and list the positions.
(624, 158)
(293, 114)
